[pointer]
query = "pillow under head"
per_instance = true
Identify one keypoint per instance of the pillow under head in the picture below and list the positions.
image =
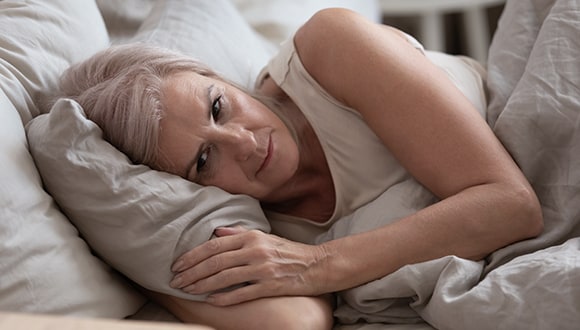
(137, 219)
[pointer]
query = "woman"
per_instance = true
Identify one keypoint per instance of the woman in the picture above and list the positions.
(342, 82)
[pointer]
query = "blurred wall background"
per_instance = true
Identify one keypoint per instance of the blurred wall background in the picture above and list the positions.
(455, 30)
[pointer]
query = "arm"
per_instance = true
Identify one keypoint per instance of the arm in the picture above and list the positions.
(432, 129)
(277, 313)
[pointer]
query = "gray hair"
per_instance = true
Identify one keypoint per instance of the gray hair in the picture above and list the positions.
(120, 89)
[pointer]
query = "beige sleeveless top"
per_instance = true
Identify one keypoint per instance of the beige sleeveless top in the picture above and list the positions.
(361, 166)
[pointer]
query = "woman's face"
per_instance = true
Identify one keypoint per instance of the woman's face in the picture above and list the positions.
(214, 134)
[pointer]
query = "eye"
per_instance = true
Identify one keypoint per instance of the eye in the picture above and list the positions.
(202, 160)
(216, 108)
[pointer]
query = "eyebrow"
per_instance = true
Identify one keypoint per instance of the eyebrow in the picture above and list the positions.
(200, 149)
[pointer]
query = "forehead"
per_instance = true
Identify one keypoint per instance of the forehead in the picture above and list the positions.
(183, 92)
(185, 103)
(183, 84)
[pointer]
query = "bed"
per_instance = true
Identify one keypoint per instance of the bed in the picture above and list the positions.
(79, 224)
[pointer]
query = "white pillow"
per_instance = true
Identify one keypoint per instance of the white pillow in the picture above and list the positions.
(123, 18)
(213, 32)
(139, 220)
(39, 40)
(45, 266)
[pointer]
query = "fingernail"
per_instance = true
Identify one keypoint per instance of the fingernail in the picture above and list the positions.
(176, 282)
(177, 266)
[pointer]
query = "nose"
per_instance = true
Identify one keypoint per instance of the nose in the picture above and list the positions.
(237, 141)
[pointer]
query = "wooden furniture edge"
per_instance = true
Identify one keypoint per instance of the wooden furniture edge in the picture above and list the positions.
(25, 321)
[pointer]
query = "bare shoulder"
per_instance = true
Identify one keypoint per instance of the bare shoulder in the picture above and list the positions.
(332, 24)
(338, 45)
(317, 41)
(324, 28)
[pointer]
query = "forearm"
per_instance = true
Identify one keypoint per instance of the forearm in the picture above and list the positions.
(276, 313)
(470, 225)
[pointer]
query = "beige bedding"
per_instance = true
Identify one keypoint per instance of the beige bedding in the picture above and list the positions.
(534, 79)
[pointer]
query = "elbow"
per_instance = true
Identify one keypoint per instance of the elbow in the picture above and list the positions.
(528, 211)
(300, 313)
(276, 313)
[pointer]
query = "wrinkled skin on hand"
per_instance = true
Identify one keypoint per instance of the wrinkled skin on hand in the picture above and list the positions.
(262, 265)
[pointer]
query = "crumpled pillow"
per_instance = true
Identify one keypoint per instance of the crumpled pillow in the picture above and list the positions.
(137, 219)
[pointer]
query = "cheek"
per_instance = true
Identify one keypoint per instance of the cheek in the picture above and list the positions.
(229, 177)
(292, 157)
(287, 160)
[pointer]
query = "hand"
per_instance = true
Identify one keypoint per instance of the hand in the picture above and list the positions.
(266, 265)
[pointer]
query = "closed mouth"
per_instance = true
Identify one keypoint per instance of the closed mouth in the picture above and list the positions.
(268, 155)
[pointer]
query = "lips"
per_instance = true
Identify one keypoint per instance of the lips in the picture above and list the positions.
(268, 155)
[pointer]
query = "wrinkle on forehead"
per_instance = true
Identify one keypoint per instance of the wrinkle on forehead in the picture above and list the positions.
(184, 101)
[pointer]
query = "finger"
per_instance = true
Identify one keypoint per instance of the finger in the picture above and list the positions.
(208, 267)
(222, 280)
(203, 251)
(240, 295)
(228, 231)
